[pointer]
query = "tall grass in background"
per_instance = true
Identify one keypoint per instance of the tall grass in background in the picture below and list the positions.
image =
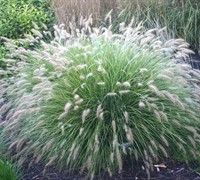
(181, 17)
(92, 99)
(74, 11)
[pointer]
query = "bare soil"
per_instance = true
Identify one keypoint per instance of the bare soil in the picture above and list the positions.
(167, 170)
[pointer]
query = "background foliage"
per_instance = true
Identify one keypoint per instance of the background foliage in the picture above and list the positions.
(181, 17)
(17, 16)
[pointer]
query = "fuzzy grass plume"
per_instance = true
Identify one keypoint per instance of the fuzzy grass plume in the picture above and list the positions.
(93, 99)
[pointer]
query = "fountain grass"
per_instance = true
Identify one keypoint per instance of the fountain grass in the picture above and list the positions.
(92, 99)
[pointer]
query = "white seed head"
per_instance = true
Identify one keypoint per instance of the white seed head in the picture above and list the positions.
(179, 103)
(126, 116)
(51, 161)
(81, 131)
(75, 90)
(89, 75)
(153, 105)
(39, 157)
(157, 114)
(136, 154)
(118, 84)
(111, 94)
(192, 141)
(76, 108)
(193, 130)
(99, 110)
(83, 85)
(165, 140)
(140, 84)
(141, 104)
(119, 159)
(101, 83)
(129, 135)
(124, 92)
(76, 97)
(115, 141)
(101, 116)
(101, 69)
(164, 77)
(72, 147)
(62, 115)
(82, 77)
(96, 147)
(80, 101)
(112, 157)
(75, 153)
(109, 171)
(126, 84)
(125, 128)
(146, 39)
(62, 129)
(154, 144)
(150, 82)
(2, 72)
(37, 33)
(114, 125)
(89, 162)
(96, 139)
(156, 91)
(142, 70)
(81, 66)
(85, 114)
(67, 107)
(163, 115)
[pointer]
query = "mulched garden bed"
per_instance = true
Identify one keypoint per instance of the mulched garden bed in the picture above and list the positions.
(168, 170)
(195, 60)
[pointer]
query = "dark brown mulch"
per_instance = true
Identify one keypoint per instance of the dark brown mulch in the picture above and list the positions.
(195, 60)
(173, 171)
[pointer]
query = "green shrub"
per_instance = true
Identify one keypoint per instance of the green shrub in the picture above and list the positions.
(17, 17)
(95, 100)
(2, 55)
(8, 170)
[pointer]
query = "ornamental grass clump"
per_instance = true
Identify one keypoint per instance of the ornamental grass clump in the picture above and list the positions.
(91, 100)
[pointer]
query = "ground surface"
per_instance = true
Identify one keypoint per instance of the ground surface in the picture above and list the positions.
(168, 170)
(195, 60)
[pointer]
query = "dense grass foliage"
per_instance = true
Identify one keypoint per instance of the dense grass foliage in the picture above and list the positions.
(8, 170)
(2, 55)
(17, 16)
(182, 18)
(91, 100)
